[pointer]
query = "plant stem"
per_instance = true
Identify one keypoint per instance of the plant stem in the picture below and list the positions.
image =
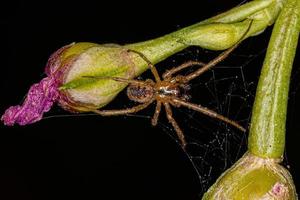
(267, 131)
(217, 33)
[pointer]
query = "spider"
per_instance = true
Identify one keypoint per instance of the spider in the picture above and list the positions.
(167, 91)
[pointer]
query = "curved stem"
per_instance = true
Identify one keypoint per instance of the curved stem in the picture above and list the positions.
(267, 132)
(217, 33)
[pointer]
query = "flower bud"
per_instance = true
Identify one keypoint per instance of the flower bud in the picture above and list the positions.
(254, 178)
(79, 93)
(66, 82)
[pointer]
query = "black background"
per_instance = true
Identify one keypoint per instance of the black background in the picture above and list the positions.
(94, 157)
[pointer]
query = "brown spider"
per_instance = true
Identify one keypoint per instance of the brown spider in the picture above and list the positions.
(171, 90)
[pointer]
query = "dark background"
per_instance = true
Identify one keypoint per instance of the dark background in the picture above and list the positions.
(93, 157)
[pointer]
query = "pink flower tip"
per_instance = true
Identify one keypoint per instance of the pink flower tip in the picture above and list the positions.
(39, 100)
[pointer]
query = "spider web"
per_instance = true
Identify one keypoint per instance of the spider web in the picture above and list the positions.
(228, 89)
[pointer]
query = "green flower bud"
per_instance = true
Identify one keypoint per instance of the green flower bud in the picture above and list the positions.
(83, 94)
(253, 178)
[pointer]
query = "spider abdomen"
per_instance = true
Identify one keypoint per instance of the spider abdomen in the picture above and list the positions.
(140, 93)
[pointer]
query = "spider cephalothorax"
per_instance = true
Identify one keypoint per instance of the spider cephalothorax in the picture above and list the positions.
(173, 89)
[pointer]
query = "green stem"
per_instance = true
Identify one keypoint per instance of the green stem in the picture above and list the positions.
(242, 12)
(217, 33)
(258, 174)
(267, 132)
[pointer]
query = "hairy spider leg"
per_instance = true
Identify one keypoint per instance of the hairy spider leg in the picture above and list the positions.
(119, 79)
(151, 66)
(124, 111)
(175, 125)
(156, 114)
(169, 73)
(211, 64)
(218, 59)
(207, 112)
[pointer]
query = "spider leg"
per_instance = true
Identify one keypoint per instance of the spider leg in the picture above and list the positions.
(119, 79)
(156, 114)
(208, 112)
(174, 70)
(123, 111)
(151, 66)
(211, 64)
(218, 59)
(174, 124)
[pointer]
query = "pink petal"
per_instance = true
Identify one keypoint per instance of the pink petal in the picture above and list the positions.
(41, 96)
(39, 100)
